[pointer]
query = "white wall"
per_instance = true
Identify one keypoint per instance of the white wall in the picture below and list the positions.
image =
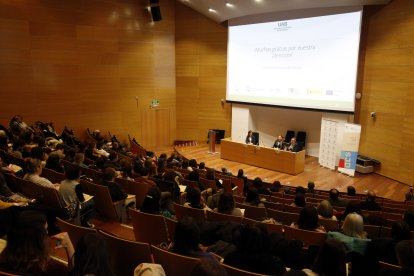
(272, 121)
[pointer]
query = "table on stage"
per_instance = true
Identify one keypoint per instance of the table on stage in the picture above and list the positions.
(264, 157)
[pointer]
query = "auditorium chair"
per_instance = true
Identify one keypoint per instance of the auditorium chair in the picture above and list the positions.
(233, 271)
(289, 135)
(52, 176)
(215, 216)
(126, 255)
(140, 190)
(208, 183)
(274, 206)
(75, 232)
(388, 266)
(308, 238)
(292, 209)
(329, 224)
(253, 212)
(283, 217)
(256, 137)
(148, 228)
(270, 227)
(301, 138)
(182, 211)
(171, 225)
(173, 264)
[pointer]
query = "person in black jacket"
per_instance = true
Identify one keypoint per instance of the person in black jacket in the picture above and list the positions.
(370, 204)
(114, 189)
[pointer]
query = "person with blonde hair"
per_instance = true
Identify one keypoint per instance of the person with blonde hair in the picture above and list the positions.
(352, 235)
(354, 226)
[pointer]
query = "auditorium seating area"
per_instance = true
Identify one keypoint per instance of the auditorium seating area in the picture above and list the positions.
(135, 237)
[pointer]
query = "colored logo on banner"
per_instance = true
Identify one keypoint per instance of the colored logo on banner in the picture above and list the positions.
(347, 160)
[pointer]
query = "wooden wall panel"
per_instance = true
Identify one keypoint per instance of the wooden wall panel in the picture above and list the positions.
(201, 64)
(387, 81)
(95, 63)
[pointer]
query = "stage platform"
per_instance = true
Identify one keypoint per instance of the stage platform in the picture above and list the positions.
(325, 179)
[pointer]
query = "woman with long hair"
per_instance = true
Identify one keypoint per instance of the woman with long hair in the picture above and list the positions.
(27, 248)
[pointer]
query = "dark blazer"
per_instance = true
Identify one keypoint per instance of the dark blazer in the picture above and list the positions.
(296, 148)
(278, 144)
(253, 140)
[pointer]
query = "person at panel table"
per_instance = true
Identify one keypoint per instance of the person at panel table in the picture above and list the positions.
(278, 142)
(250, 139)
(293, 145)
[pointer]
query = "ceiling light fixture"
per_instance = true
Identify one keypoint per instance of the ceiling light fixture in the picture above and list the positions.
(211, 10)
(229, 4)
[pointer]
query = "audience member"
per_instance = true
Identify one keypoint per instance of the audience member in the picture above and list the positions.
(409, 196)
(195, 200)
(311, 187)
(252, 197)
(114, 189)
(325, 210)
(308, 220)
(258, 184)
(91, 257)
(409, 218)
(335, 200)
(152, 204)
(276, 187)
(72, 194)
(34, 170)
(351, 191)
(370, 204)
(253, 251)
(353, 235)
(226, 205)
(208, 267)
(53, 163)
(300, 200)
(187, 239)
(405, 255)
(331, 260)
(27, 249)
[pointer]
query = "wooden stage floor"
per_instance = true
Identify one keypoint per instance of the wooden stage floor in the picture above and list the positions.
(325, 179)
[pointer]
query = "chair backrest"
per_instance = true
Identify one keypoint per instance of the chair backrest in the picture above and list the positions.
(233, 271)
(289, 135)
(388, 266)
(103, 202)
(27, 188)
(124, 184)
(256, 137)
(75, 232)
(393, 210)
(140, 190)
(173, 264)
(95, 175)
(53, 176)
(182, 211)
(208, 183)
(329, 224)
(5, 273)
(215, 216)
(126, 255)
(148, 227)
(392, 216)
(49, 196)
(292, 209)
(239, 199)
(308, 237)
(171, 225)
(283, 217)
(301, 138)
(253, 212)
(189, 183)
(12, 183)
(274, 206)
(271, 227)
(239, 183)
(373, 231)
(385, 232)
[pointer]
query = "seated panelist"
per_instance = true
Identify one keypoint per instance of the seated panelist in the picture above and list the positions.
(250, 139)
(278, 143)
(293, 145)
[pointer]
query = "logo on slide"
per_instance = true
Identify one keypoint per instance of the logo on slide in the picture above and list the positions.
(282, 26)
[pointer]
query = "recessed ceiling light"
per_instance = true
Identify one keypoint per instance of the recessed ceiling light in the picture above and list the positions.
(229, 4)
(211, 10)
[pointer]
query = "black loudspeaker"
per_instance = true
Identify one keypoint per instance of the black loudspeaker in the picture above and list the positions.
(155, 10)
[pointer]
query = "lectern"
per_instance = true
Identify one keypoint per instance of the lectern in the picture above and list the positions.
(211, 141)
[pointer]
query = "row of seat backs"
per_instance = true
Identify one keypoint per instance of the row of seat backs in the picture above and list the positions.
(126, 255)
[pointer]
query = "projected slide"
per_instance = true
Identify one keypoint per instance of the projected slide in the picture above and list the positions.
(305, 63)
